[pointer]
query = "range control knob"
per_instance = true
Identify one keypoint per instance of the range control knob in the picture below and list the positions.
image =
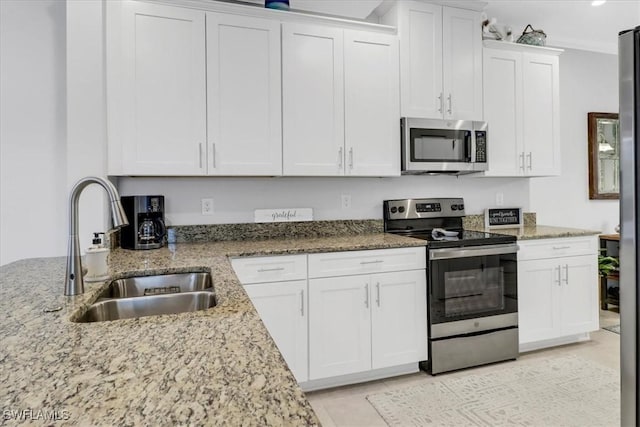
(394, 209)
(401, 209)
(454, 207)
(461, 207)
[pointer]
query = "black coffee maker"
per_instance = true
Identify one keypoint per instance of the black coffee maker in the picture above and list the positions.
(146, 229)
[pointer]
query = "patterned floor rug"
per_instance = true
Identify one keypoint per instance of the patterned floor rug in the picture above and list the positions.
(614, 328)
(564, 391)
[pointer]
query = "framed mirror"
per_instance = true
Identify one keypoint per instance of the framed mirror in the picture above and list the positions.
(604, 155)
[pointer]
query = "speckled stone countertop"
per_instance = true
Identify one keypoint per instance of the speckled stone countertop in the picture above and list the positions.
(539, 232)
(213, 367)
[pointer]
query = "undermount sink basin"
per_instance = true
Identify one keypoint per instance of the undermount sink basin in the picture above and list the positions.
(152, 295)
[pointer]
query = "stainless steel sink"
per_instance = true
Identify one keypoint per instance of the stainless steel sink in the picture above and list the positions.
(158, 285)
(152, 295)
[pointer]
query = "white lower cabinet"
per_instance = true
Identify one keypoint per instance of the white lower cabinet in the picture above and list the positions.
(282, 306)
(341, 313)
(557, 295)
(364, 322)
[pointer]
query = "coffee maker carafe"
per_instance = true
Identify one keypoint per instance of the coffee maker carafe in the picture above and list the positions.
(146, 229)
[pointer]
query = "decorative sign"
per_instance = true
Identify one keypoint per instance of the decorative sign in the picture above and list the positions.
(503, 218)
(283, 215)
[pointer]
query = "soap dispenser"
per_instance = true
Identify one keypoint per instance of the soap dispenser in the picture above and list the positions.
(96, 260)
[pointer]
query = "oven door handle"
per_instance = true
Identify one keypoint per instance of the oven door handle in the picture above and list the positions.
(471, 251)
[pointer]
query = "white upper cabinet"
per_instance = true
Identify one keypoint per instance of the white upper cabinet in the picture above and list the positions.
(243, 96)
(521, 105)
(340, 102)
(159, 114)
(235, 91)
(313, 100)
(440, 60)
(541, 104)
(372, 104)
(462, 64)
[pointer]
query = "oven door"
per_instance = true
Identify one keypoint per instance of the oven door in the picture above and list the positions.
(472, 289)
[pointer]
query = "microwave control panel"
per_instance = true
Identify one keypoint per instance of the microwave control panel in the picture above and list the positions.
(481, 146)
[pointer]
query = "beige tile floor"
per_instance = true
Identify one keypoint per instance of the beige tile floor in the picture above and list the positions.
(347, 406)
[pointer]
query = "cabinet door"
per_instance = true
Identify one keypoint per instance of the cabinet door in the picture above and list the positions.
(398, 318)
(579, 308)
(372, 104)
(541, 114)
(283, 310)
(539, 290)
(313, 100)
(503, 111)
(420, 30)
(243, 96)
(339, 326)
(462, 64)
(163, 110)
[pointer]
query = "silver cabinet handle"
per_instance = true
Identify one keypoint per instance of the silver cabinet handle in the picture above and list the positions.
(213, 154)
(440, 103)
(449, 99)
(522, 161)
(559, 279)
(340, 157)
(566, 274)
(530, 160)
(557, 248)
(302, 303)
(200, 155)
(351, 158)
(366, 295)
(378, 293)
(378, 261)
(262, 270)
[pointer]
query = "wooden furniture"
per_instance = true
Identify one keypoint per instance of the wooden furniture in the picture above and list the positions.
(557, 291)
(342, 317)
(609, 246)
(522, 106)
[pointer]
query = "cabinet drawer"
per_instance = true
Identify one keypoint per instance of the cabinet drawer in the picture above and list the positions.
(553, 248)
(270, 269)
(363, 262)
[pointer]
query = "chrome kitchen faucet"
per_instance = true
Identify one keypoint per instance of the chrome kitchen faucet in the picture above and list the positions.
(74, 283)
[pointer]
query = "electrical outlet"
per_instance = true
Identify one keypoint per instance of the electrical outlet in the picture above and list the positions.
(346, 201)
(499, 199)
(207, 206)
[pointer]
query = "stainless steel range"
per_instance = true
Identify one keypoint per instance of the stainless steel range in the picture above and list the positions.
(472, 283)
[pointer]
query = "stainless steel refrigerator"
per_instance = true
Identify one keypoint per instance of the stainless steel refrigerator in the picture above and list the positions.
(629, 114)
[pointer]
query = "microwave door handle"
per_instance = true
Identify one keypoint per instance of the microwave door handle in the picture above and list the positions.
(468, 144)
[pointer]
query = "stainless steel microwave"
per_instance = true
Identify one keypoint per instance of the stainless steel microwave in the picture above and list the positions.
(443, 146)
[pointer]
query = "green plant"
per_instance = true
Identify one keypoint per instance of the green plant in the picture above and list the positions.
(607, 264)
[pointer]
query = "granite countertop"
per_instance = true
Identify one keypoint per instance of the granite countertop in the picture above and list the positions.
(218, 366)
(530, 232)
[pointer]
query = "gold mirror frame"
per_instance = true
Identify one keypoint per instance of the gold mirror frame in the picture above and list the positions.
(601, 163)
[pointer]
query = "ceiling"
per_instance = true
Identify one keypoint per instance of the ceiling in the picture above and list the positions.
(568, 23)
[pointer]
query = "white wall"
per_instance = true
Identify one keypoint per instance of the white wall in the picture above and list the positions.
(588, 83)
(32, 129)
(236, 198)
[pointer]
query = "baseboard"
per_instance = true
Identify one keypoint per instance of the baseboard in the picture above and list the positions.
(359, 377)
(571, 339)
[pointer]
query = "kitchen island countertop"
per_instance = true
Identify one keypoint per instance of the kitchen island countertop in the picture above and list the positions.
(218, 366)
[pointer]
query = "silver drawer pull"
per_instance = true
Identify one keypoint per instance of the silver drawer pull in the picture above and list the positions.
(366, 295)
(372, 262)
(302, 303)
(378, 293)
(557, 248)
(262, 270)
